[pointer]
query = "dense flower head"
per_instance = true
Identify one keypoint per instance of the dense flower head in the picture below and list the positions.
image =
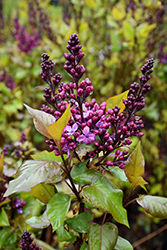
(104, 130)
(26, 242)
(26, 42)
(39, 23)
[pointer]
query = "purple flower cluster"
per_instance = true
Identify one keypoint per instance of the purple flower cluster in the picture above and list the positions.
(18, 205)
(8, 80)
(26, 242)
(90, 123)
(26, 42)
(15, 203)
(39, 23)
(18, 149)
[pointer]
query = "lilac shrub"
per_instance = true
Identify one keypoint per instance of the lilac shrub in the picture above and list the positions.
(91, 146)
(90, 123)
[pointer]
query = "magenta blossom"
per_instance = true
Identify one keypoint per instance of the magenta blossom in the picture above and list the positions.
(72, 130)
(88, 137)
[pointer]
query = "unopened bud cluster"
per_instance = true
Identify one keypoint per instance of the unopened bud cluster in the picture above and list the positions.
(39, 23)
(104, 129)
(26, 242)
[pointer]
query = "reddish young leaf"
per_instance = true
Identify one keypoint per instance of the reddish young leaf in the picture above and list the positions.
(42, 120)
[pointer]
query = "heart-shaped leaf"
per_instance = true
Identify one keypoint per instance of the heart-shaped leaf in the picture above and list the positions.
(154, 205)
(57, 209)
(102, 237)
(117, 100)
(42, 120)
(134, 167)
(80, 223)
(86, 177)
(103, 194)
(55, 130)
(30, 173)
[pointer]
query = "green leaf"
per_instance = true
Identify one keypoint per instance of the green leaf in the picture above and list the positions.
(103, 194)
(86, 178)
(118, 173)
(62, 233)
(154, 205)
(55, 130)
(79, 169)
(3, 218)
(11, 242)
(102, 237)
(117, 100)
(80, 223)
(5, 233)
(134, 167)
(30, 173)
(43, 245)
(123, 244)
(46, 156)
(43, 192)
(39, 221)
(57, 209)
(42, 120)
(84, 246)
(128, 31)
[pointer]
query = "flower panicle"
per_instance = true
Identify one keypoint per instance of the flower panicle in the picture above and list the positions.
(104, 129)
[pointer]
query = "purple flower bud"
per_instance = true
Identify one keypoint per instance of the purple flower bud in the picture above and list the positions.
(109, 163)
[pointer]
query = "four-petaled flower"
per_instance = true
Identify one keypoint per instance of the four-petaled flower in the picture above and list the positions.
(88, 137)
(72, 130)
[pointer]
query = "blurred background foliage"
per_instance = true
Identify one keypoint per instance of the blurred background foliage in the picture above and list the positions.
(118, 37)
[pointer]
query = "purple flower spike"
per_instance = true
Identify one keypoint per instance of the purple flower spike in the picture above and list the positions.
(88, 137)
(72, 130)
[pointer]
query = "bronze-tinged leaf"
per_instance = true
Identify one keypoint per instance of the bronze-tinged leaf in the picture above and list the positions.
(134, 167)
(154, 205)
(41, 120)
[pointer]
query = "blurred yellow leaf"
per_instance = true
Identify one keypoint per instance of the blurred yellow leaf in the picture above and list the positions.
(118, 12)
(144, 29)
(134, 167)
(55, 130)
(43, 192)
(1, 163)
(117, 100)
(91, 4)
